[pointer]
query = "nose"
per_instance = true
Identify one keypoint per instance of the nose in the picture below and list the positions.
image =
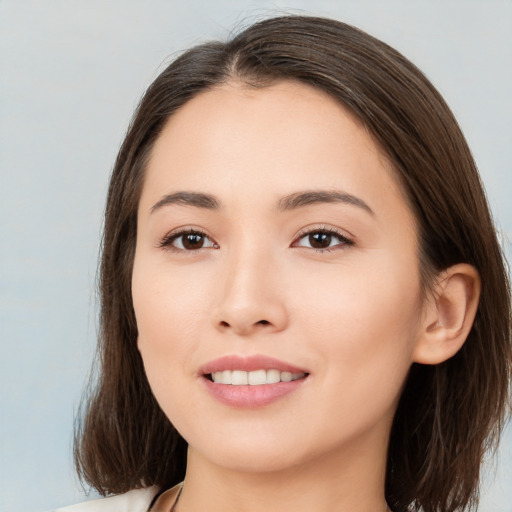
(251, 300)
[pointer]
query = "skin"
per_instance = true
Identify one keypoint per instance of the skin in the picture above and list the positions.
(352, 316)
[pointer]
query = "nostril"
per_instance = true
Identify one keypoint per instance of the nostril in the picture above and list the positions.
(241, 325)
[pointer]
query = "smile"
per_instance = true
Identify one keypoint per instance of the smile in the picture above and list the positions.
(253, 381)
(254, 378)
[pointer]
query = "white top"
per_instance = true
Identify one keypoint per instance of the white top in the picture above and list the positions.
(137, 500)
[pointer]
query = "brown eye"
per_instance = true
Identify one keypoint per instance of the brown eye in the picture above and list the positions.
(323, 240)
(192, 241)
(187, 241)
(320, 240)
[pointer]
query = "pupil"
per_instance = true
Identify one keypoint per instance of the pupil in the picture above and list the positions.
(320, 240)
(193, 241)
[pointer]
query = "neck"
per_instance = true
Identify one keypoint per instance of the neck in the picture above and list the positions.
(347, 480)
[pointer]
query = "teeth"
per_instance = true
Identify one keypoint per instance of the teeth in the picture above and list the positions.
(273, 376)
(238, 378)
(255, 378)
(286, 376)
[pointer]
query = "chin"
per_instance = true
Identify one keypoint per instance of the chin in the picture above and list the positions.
(253, 460)
(249, 453)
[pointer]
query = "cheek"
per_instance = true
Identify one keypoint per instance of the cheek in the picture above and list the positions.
(369, 296)
(167, 304)
(363, 337)
(366, 318)
(172, 312)
(161, 314)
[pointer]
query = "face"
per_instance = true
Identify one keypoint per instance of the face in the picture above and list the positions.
(274, 243)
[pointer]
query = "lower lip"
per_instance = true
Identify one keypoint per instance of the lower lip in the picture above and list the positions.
(250, 397)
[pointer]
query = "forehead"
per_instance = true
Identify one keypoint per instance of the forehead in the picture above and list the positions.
(236, 139)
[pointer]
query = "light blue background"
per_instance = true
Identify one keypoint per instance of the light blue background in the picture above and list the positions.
(71, 74)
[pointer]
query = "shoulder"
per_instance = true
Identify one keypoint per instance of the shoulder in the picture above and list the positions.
(137, 500)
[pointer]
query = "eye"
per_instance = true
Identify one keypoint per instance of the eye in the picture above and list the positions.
(189, 240)
(322, 240)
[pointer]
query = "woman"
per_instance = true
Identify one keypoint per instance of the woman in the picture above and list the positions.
(304, 304)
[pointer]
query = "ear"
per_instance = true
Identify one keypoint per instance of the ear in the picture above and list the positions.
(449, 313)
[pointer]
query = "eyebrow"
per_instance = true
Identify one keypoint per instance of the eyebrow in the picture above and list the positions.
(197, 199)
(309, 197)
(286, 203)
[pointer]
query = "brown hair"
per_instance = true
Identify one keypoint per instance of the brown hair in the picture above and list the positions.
(449, 414)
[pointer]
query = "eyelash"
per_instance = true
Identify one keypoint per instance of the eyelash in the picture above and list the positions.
(344, 241)
(167, 241)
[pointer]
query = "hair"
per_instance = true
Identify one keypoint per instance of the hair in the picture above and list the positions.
(449, 414)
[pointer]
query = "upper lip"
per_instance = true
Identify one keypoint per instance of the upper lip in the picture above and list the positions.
(248, 364)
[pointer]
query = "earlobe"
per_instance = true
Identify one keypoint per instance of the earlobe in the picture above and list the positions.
(449, 314)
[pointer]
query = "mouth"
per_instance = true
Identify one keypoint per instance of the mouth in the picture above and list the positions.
(260, 377)
(251, 381)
